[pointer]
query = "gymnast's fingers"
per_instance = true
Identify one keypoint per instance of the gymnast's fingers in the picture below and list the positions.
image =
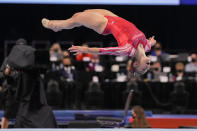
(73, 47)
(74, 50)
(76, 53)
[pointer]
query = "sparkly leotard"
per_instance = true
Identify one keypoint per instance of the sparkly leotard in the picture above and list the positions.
(127, 36)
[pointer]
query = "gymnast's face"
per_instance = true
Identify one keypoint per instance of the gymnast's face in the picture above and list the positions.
(143, 65)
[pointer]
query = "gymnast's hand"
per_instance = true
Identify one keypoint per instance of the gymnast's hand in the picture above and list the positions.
(78, 49)
(152, 40)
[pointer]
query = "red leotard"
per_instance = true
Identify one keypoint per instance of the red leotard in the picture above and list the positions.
(127, 36)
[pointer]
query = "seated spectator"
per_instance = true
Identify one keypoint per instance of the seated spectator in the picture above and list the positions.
(179, 98)
(71, 91)
(55, 48)
(192, 66)
(157, 72)
(158, 54)
(139, 118)
(95, 64)
(83, 56)
(95, 67)
(179, 71)
(68, 70)
(157, 50)
(55, 56)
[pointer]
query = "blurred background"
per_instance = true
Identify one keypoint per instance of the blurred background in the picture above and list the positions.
(75, 83)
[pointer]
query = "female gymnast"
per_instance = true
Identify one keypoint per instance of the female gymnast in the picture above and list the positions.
(131, 41)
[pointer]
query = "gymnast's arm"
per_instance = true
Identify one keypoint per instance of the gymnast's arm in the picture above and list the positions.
(118, 51)
(83, 49)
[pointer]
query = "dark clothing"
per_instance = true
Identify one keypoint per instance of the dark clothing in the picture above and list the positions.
(68, 73)
(33, 111)
(71, 90)
(21, 57)
(41, 117)
(10, 105)
(10, 102)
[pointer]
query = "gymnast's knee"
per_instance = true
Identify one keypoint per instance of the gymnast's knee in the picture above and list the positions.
(76, 14)
(87, 10)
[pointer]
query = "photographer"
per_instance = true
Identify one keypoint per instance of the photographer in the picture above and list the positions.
(33, 111)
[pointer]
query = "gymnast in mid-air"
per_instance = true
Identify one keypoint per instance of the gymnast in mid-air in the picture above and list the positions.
(131, 41)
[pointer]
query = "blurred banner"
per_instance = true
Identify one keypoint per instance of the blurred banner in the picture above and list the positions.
(102, 2)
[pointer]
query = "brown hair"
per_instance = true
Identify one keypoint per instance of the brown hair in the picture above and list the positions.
(179, 65)
(140, 120)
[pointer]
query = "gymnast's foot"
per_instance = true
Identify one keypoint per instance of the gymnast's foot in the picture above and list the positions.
(50, 24)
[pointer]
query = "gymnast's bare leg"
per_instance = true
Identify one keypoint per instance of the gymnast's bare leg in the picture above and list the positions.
(93, 19)
(101, 11)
